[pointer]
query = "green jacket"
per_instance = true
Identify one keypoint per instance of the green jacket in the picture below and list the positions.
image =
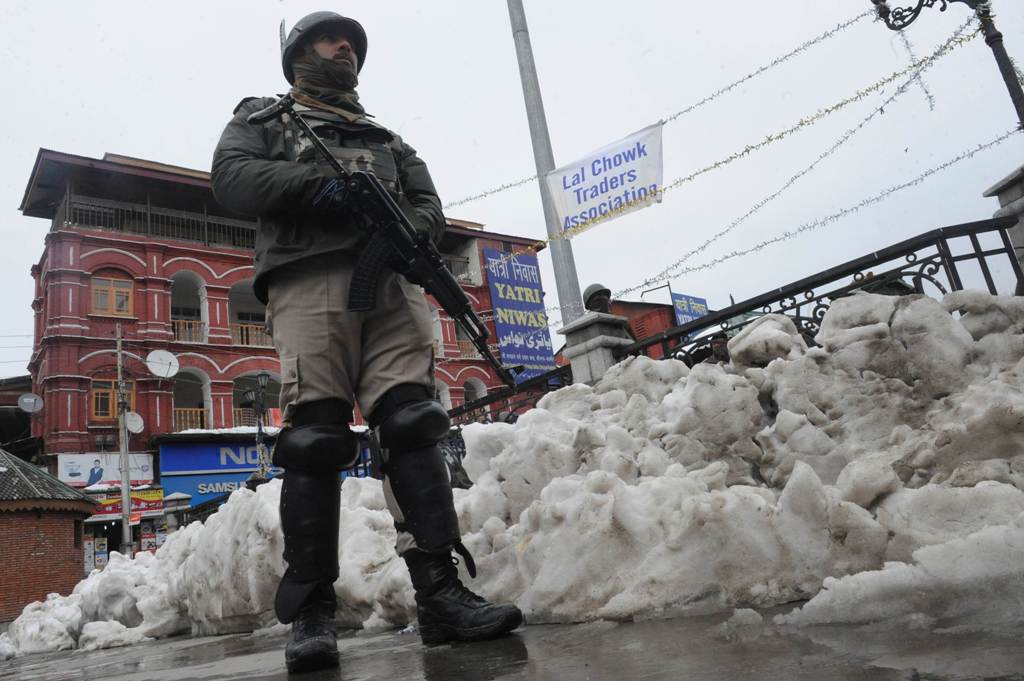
(271, 172)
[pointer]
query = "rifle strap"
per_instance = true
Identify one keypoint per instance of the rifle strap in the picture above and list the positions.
(362, 294)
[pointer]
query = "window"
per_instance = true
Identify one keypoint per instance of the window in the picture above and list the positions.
(78, 534)
(103, 398)
(112, 296)
(252, 317)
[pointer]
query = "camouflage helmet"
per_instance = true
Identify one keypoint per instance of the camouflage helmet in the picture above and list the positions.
(593, 290)
(308, 24)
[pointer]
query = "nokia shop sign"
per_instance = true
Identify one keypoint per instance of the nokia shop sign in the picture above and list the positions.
(205, 470)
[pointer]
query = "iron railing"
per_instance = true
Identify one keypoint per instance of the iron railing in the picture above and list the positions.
(934, 262)
(506, 401)
(155, 222)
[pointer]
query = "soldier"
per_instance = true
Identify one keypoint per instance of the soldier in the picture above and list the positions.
(331, 358)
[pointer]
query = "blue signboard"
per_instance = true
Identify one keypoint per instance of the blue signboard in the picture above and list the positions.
(688, 308)
(519, 316)
(211, 469)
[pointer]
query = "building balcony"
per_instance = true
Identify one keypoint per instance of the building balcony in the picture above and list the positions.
(252, 335)
(154, 222)
(244, 416)
(467, 350)
(184, 419)
(189, 330)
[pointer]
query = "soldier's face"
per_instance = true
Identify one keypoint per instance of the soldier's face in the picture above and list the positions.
(337, 47)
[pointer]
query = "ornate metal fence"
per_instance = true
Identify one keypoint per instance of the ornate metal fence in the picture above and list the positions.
(979, 253)
(505, 404)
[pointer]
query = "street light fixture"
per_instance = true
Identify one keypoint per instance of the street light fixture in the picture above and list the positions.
(257, 399)
(900, 17)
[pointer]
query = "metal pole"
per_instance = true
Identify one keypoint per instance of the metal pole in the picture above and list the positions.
(566, 281)
(122, 432)
(995, 40)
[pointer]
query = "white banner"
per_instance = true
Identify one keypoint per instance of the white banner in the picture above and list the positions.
(614, 180)
(103, 468)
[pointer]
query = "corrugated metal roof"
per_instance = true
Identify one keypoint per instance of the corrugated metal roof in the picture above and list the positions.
(20, 480)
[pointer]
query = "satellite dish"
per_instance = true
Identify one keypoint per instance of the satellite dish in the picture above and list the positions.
(162, 363)
(30, 403)
(133, 422)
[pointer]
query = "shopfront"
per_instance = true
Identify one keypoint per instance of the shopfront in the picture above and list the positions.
(103, 529)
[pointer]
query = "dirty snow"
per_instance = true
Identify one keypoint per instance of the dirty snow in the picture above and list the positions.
(879, 475)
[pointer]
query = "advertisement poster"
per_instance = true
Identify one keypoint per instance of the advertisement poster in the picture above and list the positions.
(101, 552)
(615, 180)
(147, 532)
(89, 546)
(103, 468)
(519, 317)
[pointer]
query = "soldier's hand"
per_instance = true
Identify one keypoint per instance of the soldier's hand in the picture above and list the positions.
(330, 199)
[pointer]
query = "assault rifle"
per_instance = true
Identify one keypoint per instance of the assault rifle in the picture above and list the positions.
(393, 240)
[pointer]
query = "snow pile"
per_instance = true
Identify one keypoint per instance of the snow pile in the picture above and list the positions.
(879, 474)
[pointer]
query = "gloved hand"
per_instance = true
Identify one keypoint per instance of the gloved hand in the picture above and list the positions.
(398, 265)
(330, 198)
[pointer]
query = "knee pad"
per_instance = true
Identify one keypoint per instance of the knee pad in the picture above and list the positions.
(319, 439)
(415, 425)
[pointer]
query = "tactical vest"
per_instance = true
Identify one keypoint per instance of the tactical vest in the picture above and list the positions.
(357, 143)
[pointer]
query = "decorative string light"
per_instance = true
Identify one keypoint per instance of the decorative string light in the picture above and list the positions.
(706, 100)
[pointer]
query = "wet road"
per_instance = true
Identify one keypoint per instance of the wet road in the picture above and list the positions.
(691, 648)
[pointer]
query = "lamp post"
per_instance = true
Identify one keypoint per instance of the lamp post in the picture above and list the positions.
(257, 399)
(900, 17)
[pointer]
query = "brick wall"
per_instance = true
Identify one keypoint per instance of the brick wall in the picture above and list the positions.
(37, 556)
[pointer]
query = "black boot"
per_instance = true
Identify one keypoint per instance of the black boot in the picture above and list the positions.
(447, 610)
(313, 642)
(305, 596)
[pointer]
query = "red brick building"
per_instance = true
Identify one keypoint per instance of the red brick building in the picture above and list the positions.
(41, 532)
(144, 247)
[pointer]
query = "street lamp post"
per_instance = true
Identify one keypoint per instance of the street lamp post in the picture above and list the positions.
(257, 399)
(900, 17)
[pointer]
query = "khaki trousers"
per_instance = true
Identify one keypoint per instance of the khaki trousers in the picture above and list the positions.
(327, 351)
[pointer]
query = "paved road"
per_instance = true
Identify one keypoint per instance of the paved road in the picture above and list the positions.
(692, 649)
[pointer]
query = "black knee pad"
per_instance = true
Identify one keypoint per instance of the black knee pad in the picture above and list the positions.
(414, 426)
(319, 439)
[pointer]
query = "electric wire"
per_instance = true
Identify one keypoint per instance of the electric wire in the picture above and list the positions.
(803, 47)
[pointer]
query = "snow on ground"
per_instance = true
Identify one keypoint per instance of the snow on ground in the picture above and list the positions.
(879, 475)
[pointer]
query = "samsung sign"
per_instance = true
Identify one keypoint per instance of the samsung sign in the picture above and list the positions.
(207, 469)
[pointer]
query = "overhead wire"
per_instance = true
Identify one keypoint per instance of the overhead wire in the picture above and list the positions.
(803, 47)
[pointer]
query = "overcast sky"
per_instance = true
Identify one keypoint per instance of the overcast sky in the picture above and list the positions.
(159, 81)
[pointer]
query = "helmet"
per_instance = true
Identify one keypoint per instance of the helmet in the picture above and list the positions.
(594, 289)
(318, 20)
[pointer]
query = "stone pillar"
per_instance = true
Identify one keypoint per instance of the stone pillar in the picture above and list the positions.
(1010, 192)
(590, 341)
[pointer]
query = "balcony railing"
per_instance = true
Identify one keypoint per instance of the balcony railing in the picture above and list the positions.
(252, 335)
(184, 419)
(243, 416)
(189, 330)
(159, 223)
(467, 350)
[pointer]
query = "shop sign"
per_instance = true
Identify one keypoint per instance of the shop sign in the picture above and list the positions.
(143, 501)
(519, 316)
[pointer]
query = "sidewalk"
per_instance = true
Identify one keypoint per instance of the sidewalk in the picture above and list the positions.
(690, 649)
